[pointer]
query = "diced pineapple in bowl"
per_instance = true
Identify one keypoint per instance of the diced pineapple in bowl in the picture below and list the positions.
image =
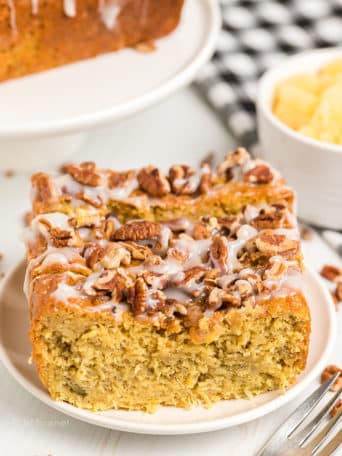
(299, 108)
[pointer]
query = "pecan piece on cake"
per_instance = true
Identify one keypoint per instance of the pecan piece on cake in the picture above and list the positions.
(85, 173)
(153, 182)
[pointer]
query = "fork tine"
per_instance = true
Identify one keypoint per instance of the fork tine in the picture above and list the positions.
(323, 435)
(332, 445)
(309, 404)
(296, 418)
(302, 436)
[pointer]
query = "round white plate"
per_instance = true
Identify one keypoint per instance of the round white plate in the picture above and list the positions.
(99, 90)
(15, 352)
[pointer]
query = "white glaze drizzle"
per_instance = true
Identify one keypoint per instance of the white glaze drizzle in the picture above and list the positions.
(69, 7)
(35, 7)
(109, 11)
(13, 19)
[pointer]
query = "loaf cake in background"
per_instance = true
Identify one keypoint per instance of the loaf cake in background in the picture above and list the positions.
(150, 289)
(37, 35)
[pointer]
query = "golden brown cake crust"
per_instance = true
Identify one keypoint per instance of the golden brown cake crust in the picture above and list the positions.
(31, 42)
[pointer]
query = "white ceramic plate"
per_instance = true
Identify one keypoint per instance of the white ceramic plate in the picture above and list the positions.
(95, 91)
(15, 352)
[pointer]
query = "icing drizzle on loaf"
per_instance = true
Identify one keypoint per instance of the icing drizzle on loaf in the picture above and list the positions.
(109, 10)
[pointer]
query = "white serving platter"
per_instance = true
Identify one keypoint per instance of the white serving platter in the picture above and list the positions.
(15, 352)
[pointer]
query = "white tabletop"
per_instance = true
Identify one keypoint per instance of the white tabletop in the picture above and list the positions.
(182, 129)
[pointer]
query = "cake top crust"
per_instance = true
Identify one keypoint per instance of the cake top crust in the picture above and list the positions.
(175, 269)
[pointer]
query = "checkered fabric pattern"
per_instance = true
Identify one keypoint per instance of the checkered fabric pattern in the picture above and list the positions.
(255, 35)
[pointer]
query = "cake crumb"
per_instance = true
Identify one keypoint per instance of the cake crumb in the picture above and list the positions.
(146, 46)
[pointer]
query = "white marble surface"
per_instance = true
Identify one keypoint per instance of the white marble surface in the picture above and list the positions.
(181, 129)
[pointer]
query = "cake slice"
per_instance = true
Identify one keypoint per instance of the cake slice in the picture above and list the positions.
(165, 310)
(37, 35)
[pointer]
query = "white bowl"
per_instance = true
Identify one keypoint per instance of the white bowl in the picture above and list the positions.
(313, 168)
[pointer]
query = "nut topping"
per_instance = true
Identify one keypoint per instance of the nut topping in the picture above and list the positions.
(182, 179)
(219, 254)
(120, 179)
(272, 244)
(272, 217)
(237, 158)
(93, 254)
(152, 181)
(205, 181)
(85, 173)
(46, 191)
(114, 256)
(137, 296)
(331, 272)
(261, 174)
(218, 297)
(328, 372)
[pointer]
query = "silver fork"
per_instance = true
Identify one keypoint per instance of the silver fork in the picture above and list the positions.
(285, 441)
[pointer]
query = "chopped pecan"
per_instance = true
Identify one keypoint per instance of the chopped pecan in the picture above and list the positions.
(156, 302)
(46, 192)
(306, 233)
(328, 372)
(106, 229)
(179, 255)
(219, 253)
(205, 180)
(276, 270)
(331, 272)
(115, 255)
(337, 408)
(146, 46)
(271, 244)
(201, 231)
(137, 296)
(271, 217)
(253, 278)
(153, 182)
(211, 276)
(190, 280)
(142, 230)
(260, 174)
(138, 252)
(93, 254)
(229, 225)
(156, 280)
(153, 260)
(183, 179)
(218, 297)
(85, 173)
(338, 291)
(120, 179)
(239, 157)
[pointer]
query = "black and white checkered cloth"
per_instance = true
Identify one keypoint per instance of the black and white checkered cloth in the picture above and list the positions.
(254, 36)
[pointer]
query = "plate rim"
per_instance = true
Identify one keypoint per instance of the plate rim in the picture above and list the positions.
(122, 110)
(178, 429)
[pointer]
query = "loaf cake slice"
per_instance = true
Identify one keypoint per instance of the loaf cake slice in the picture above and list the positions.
(37, 35)
(173, 307)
